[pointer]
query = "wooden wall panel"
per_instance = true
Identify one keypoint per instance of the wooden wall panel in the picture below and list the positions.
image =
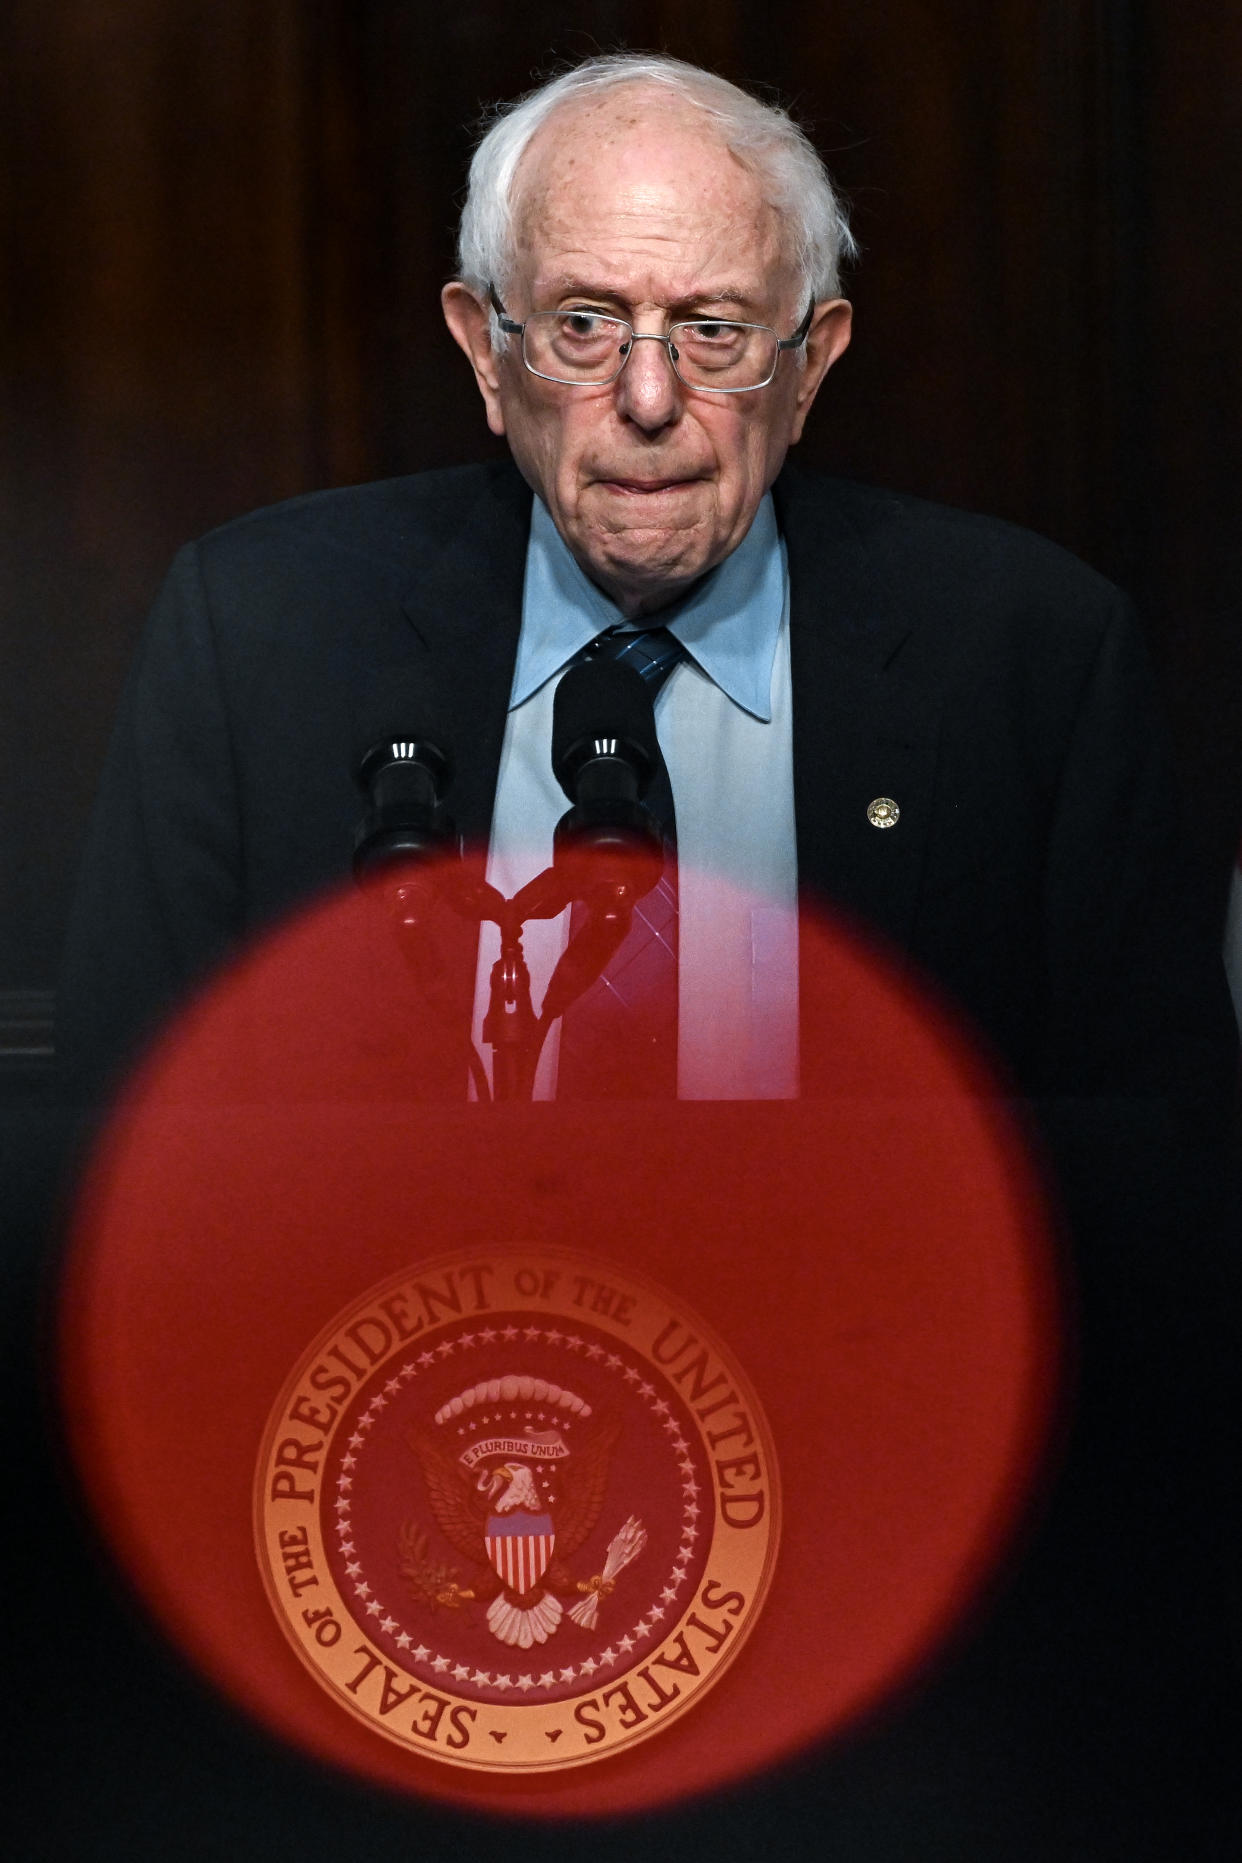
(1190, 385)
(167, 356)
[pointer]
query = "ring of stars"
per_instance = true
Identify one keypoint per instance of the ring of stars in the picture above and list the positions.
(379, 1620)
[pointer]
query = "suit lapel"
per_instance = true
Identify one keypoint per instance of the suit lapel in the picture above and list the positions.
(862, 731)
(466, 612)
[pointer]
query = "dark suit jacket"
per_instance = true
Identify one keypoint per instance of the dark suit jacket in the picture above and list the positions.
(985, 680)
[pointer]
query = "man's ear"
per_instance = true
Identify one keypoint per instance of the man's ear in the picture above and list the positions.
(469, 320)
(827, 341)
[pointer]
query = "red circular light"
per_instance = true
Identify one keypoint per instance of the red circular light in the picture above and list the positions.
(872, 1255)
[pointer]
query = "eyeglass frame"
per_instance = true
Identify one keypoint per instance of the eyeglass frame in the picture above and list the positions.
(512, 328)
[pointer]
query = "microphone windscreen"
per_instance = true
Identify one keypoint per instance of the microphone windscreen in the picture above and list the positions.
(599, 702)
(402, 762)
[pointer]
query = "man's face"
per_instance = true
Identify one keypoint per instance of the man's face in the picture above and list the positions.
(634, 207)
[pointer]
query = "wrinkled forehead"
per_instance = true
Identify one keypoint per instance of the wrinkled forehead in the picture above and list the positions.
(638, 165)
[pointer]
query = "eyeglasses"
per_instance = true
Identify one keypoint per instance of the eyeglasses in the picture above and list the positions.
(585, 349)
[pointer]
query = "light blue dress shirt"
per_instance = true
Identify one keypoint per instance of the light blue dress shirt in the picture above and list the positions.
(724, 719)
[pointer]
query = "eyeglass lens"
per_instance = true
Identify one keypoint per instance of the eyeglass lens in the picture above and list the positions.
(581, 346)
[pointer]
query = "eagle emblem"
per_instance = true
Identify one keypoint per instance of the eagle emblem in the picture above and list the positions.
(516, 1474)
(492, 1518)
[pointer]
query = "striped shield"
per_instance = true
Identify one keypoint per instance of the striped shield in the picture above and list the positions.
(519, 1547)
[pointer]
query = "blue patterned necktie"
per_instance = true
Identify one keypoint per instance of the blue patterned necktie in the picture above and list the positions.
(620, 1038)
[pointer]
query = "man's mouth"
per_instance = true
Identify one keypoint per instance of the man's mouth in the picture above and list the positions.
(646, 487)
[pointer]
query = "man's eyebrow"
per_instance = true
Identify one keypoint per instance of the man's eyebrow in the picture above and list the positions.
(733, 295)
(584, 288)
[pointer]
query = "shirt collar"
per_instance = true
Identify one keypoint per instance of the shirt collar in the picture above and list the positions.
(730, 622)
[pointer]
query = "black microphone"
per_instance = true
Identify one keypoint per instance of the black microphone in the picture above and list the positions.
(405, 779)
(604, 755)
(608, 850)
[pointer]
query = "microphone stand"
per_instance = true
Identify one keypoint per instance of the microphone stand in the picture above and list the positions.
(607, 853)
(511, 1027)
(606, 867)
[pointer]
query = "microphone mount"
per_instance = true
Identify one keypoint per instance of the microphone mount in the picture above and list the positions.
(608, 853)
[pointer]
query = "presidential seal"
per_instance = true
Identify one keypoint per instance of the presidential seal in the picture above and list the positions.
(517, 1510)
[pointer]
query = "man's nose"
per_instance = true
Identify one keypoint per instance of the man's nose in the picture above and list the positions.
(648, 391)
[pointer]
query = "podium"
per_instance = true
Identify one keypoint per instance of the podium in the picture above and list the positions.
(846, 1304)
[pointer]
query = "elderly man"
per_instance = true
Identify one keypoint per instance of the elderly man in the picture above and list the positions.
(938, 724)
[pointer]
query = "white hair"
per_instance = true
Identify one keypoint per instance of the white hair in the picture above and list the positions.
(761, 135)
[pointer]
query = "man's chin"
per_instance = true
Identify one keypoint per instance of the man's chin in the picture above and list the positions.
(650, 570)
(649, 559)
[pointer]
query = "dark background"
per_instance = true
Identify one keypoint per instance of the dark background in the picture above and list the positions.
(223, 224)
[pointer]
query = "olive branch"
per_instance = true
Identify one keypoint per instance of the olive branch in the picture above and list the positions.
(428, 1580)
